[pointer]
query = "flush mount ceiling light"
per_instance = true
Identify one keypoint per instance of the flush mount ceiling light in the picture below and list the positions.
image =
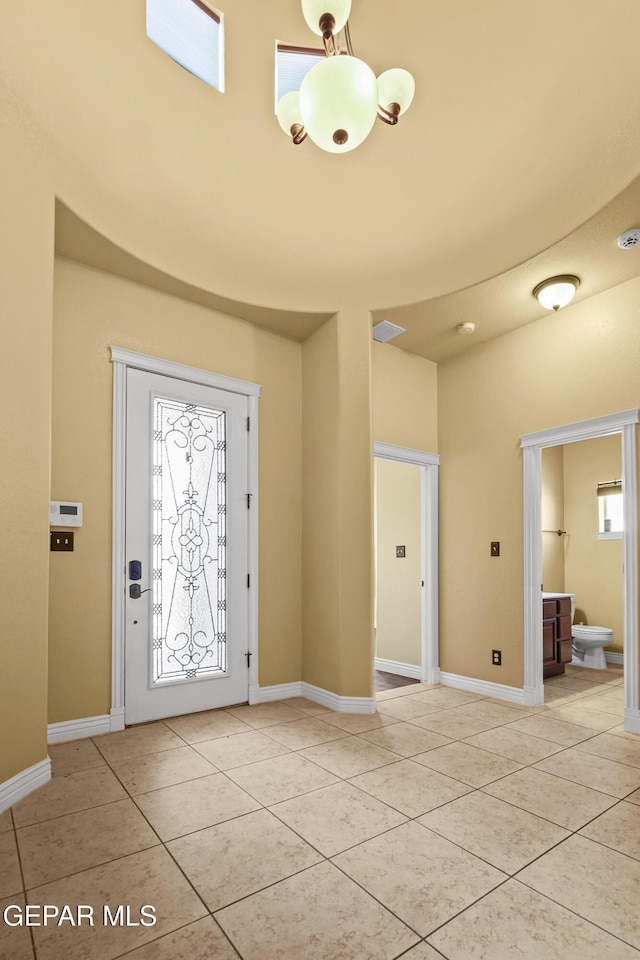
(340, 97)
(556, 292)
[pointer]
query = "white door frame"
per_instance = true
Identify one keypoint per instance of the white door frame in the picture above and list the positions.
(429, 464)
(532, 444)
(123, 359)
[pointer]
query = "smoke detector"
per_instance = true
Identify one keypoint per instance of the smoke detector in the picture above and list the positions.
(466, 328)
(385, 330)
(630, 238)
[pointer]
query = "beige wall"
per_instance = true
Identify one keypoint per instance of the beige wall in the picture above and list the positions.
(553, 546)
(321, 529)
(566, 367)
(337, 555)
(404, 398)
(92, 311)
(487, 399)
(593, 568)
(398, 590)
(26, 255)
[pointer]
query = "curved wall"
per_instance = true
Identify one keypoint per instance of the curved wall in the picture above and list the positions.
(26, 279)
(205, 187)
(92, 311)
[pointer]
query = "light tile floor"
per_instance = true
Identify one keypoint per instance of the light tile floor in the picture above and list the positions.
(447, 825)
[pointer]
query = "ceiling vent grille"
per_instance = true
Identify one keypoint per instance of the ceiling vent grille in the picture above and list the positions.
(385, 330)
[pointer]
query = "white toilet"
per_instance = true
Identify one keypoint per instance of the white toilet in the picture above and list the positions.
(588, 645)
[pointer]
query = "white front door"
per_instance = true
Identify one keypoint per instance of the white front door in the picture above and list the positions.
(186, 633)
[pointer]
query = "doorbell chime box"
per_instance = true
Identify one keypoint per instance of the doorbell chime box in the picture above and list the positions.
(63, 513)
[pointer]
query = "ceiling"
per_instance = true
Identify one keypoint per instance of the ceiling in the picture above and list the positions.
(506, 301)
(76, 240)
(518, 159)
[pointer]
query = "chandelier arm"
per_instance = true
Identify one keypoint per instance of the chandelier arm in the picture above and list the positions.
(347, 37)
(327, 24)
(389, 114)
(298, 133)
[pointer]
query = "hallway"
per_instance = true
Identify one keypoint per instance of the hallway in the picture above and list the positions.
(446, 825)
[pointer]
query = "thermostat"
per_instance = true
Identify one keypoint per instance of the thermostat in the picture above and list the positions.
(62, 513)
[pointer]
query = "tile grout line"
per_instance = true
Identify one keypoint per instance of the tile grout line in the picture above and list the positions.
(163, 844)
(576, 914)
(21, 868)
(325, 859)
(346, 779)
(184, 926)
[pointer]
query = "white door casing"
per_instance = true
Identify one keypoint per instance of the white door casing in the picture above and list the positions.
(430, 468)
(532, 444)
(145, 386)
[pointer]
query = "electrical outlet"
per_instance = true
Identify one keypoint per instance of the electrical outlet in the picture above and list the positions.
(495, 548)
(496, 658)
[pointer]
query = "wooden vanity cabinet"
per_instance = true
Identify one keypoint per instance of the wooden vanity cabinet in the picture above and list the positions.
(556, 635)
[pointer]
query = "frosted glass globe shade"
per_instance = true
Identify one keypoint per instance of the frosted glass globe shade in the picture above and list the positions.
(339, 103)
(289, 111)
(312, 10)
(396, 86)
(557, 292)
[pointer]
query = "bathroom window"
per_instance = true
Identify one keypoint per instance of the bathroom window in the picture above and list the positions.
(610, 518)
(191, 33)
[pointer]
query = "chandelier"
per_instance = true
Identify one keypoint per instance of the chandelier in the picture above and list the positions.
(340, 97)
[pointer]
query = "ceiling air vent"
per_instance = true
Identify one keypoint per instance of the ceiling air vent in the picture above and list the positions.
(385, 330)
(630, 238)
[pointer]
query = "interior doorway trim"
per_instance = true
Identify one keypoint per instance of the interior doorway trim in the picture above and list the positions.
(532, 444)
(430, 468)
(123, 359)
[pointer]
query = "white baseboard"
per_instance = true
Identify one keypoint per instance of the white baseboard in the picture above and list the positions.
(614, 657)
(279, 691)
(632, 720)
(484, 687)
(284, 691)
(18, 787)
(398, 668)
(85, 727)
(335, 702)
(533, 696)
(117, 718)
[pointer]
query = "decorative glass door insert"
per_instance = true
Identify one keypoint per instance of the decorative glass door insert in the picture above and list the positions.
(186, 542)
(189, 541)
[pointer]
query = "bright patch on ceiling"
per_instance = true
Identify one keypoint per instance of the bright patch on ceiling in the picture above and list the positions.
(192, 34)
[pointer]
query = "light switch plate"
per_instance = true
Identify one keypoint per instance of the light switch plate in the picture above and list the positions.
(400, 551)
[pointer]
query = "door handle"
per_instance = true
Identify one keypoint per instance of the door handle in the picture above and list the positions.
(135, 592)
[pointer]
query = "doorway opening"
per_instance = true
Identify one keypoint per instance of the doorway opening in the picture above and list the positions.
(582, 568)
(406, 564)
(624, 424)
